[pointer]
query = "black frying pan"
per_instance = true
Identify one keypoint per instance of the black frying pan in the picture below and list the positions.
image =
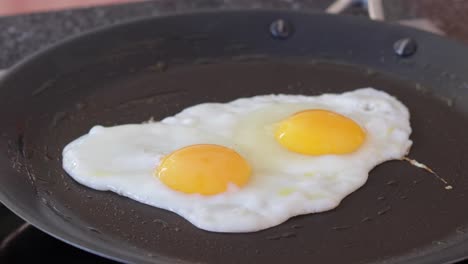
(158, 66)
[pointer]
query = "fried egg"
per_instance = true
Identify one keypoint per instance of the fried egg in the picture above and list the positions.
(248, 164)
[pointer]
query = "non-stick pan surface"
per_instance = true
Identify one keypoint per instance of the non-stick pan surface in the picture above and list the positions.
(156, 67)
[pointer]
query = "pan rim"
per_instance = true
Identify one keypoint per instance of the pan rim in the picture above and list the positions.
(99, 247)
(199, 12)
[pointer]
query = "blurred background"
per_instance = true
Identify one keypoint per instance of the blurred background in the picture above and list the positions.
(27, 26)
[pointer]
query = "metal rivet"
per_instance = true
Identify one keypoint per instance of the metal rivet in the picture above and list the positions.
(281, 29)
(405, 47)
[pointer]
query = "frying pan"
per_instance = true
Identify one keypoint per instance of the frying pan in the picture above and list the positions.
(155, 67)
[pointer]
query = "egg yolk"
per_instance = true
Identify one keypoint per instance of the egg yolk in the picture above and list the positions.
(204, 169)
(319, 132)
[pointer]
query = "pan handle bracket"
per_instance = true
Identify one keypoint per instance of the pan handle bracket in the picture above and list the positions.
(374, 7)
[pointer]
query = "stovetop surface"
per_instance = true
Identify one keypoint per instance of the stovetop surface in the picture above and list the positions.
(22, 243)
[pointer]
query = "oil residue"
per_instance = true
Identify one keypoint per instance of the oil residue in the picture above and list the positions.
(341, 228)
(384, 211)
(392, 183)
(94, 230)
(282, 236)
(163, 223)
(248, 58)
(149, 99)
(235, 47)
(20, 144)
(297, 226)
(55, 210)
(461, 230)
(57, 118)
(160, 66)
(46, 85)
(80, 106)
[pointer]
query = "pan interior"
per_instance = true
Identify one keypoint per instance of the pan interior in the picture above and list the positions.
(401, 210)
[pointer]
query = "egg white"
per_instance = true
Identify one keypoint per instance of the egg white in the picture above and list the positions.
(122, 158)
